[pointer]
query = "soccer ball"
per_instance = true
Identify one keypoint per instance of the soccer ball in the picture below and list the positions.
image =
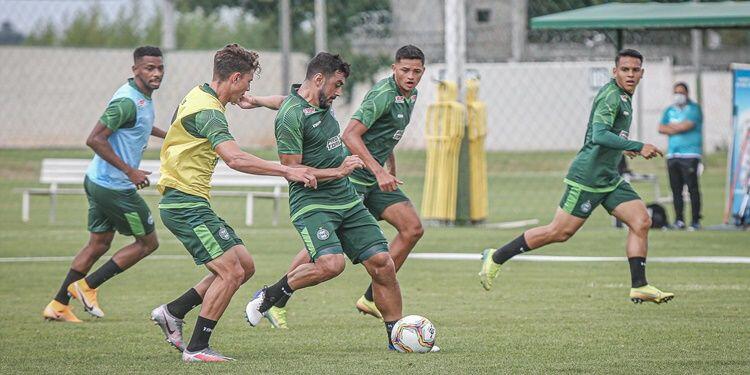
(413, 334)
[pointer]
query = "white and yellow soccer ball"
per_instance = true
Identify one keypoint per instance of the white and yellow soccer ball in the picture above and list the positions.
(413, 334)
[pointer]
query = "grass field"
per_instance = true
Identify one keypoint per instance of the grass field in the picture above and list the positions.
(541, 318)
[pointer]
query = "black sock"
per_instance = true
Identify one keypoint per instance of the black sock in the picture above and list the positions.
(274, 293)
(368, 294)
(510, 250)
(637, 271)
(281, 303)
(62, 294)
(201, 334)
(389, 329)
(104, 273)
(184, 303)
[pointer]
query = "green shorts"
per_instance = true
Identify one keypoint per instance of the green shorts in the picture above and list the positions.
(352, 231)
(191, 219)
(121, 210)
(580, 203)
(377, 200)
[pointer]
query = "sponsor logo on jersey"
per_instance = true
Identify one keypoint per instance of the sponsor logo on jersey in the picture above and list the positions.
(400, 115)
(308, 111)
(322, 234)
(586, 207)
(224, 233)
(626, 113)
(398, 134)
(624, 134)
(150, 220)
(399, 99)
(315, 125)
(333, 142)
(141, 102)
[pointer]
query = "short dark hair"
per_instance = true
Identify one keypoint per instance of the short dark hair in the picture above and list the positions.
(683, 84)
(146, 51)
(234, 58)
(327, 64)
(410, 52)
(628, 52)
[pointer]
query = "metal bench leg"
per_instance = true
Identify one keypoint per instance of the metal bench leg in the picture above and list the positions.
(276, 205)
(25, 202)
(249, 209)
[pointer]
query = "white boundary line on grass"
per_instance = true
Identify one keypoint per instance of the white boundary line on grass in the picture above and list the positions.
(455, 256)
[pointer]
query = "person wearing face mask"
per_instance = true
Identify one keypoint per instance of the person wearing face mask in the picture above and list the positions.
(683, 122)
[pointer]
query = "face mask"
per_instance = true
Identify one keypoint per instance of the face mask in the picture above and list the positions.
(680, 99)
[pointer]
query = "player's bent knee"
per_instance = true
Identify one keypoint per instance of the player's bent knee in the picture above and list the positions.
(331, 266)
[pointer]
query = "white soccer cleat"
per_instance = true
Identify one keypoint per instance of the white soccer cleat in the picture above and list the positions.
(205, 355)
(252, 313)
(171, 326)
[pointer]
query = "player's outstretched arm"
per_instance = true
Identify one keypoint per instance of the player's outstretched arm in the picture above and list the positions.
(158, 133)
(241, 161)
(349, 164)
(270, 102)
(98, 141)
(352, 138)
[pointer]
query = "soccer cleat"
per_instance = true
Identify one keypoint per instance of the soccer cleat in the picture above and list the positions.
(171, 326)
(81, 291)
(277, 317)
(368, 307)
(205, 355)
(252, 313)
(58, 312)
(648, 293)
(489, 269)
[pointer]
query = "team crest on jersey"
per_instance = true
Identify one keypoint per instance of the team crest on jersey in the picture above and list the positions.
(141, 102)
(399, 99)
(624, 134)
(333, 142)
(586, 207)
(322, 234)
(398, 134)
(224, 233)
(308, 111)
(624, 98)
(413, 97)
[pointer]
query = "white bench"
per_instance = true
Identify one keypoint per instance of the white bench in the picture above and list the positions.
(56, 172)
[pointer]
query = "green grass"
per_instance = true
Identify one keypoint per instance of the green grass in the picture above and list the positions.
(541, 318)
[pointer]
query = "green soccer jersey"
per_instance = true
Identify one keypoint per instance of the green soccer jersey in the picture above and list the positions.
(595, 166)
(385, 112)
(303, 129)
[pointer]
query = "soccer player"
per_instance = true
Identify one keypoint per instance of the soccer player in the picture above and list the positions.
(331, 220)
(372, 134)
(118, 139)
(199, 135)
(593, 180)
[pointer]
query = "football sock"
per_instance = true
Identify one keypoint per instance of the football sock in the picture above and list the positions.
(510, 250)
(184, 303)
(201, 334)
(281, 303)
(637, 271)
(274, 293)
(368, 294)
(389, 329)
(62, 294)
(104, 273)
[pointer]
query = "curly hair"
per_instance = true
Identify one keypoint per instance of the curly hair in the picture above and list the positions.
(233, 58)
